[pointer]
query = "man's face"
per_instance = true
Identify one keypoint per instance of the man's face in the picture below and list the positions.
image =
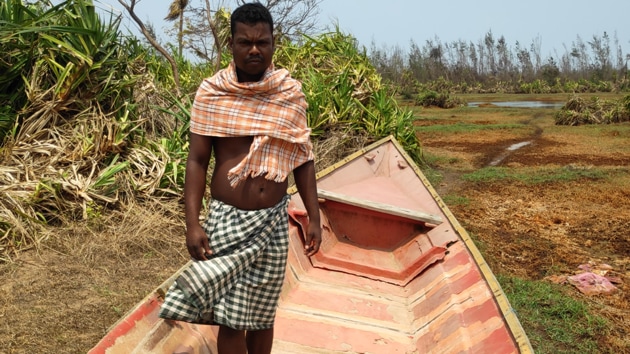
(252, 50)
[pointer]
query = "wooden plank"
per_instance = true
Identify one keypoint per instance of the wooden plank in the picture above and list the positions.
(381, 207)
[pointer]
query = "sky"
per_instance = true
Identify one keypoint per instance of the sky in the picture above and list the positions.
(391, 23)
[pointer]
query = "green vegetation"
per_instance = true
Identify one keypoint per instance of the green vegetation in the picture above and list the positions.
(492, 65)
(94, 120)
(431, 74)
(452, 199)
(58, 62)
(433, 160)
(431, 98)
(555, 321)
(344, 91)
(534, 176)
(579, 111)
(461, 127)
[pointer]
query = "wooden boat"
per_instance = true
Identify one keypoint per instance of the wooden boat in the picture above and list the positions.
(396, 273)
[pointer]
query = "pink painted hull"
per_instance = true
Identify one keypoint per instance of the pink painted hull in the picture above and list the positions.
(382, 282)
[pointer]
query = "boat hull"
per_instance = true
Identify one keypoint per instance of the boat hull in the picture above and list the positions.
(396, 273)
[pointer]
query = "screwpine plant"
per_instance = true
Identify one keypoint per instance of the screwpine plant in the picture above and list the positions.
(67, 115)
(343, 89)
(91, 121)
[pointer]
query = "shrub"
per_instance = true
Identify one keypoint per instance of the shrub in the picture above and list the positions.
(579, 111)
(434, 99)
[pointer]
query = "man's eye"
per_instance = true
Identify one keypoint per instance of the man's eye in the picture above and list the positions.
(257, 44)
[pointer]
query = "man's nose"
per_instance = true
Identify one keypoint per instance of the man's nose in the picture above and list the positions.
(254, 50)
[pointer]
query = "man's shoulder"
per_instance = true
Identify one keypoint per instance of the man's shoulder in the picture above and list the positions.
(287, 82)
(283, 73)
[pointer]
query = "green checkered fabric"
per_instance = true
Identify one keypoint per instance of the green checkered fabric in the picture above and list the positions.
(240, 285)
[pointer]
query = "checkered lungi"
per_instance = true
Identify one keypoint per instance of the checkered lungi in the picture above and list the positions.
(239, 286)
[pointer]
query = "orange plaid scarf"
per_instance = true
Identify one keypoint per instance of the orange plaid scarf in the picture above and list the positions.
(273, 110)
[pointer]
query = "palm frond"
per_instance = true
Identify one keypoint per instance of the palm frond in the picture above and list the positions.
(176, 9)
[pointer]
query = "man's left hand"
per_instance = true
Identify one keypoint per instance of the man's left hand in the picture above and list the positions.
(312, 239)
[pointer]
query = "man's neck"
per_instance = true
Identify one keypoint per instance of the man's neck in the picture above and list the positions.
(242, 77)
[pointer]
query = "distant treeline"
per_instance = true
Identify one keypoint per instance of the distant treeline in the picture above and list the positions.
(492, 65)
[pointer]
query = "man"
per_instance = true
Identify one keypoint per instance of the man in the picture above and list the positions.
(253, 117)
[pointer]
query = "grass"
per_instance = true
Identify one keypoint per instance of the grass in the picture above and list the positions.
(431, 160)
(453, 199)
(620, 130)
(534, 175)
(481, 245)
(620, 133)
(556, 322)
(465, 128)
(501, 97)
(434, 176)
(556, 318)
(613, 137)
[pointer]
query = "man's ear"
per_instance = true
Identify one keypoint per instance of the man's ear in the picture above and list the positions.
(230, 42)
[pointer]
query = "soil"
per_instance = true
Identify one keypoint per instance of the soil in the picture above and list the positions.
(546, 230)
(63, 297)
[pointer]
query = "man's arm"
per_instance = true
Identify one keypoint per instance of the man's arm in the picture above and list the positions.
(307, 188)
(194, 189)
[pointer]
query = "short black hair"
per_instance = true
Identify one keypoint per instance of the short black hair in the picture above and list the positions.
(251, 14)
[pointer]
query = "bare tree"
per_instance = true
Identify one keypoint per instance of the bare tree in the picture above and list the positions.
(619, 53)
(435, 61)
(579, 51)
(130, 7)
(176, 11)
(474, 59)
(462, 65)
(535, 49)
(416, 62)
(504, 58)
(492, 59)
(490, 54)
(525, 62)
(601, 48)
(291, 18)
(208, 31)
(219, 27)
(481, 58)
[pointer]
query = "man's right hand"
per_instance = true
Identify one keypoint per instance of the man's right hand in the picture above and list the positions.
(197, 243)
